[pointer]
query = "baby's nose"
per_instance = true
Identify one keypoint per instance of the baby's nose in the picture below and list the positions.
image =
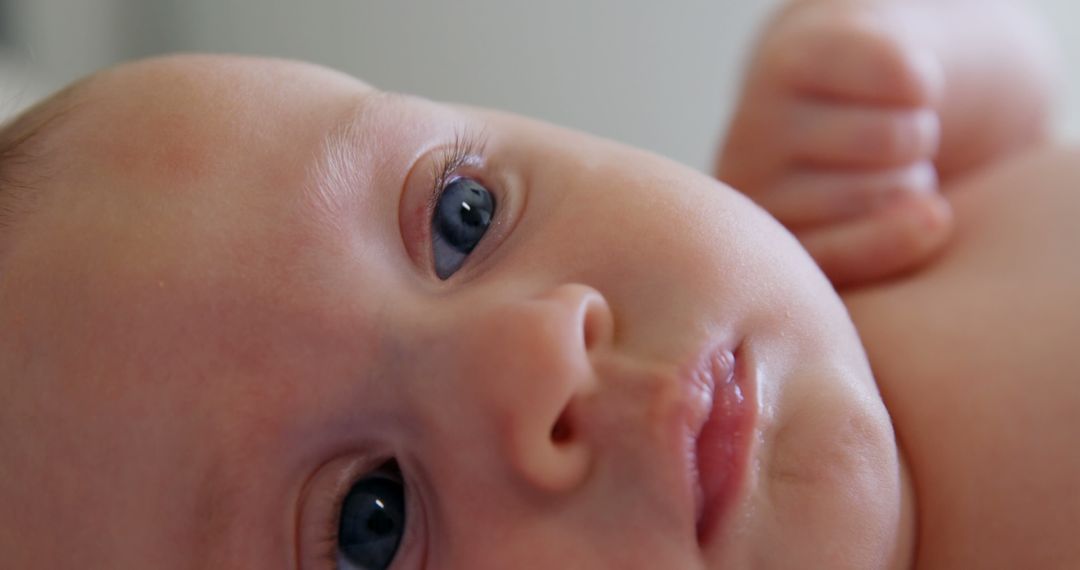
(537, 381)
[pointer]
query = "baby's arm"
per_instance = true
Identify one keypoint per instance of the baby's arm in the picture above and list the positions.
(853, 110)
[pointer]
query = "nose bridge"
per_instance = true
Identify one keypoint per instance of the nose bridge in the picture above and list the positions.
(526, 370)
(617, 204)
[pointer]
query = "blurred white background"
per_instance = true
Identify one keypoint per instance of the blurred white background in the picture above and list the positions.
(660, 75)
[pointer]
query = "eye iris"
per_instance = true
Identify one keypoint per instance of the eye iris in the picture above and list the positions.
(462, 216)
(372, 523)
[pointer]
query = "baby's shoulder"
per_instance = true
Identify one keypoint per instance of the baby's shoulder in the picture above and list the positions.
(977, 359)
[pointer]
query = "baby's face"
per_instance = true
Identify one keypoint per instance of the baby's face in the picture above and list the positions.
(234, 337)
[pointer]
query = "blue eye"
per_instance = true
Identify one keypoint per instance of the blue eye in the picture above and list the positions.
(461, 218)
(372, 521)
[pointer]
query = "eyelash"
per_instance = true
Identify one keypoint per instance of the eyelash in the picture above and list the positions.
(466, 150)
(327, 542)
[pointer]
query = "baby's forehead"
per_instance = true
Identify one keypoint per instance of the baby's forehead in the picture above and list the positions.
(186, 116)
(173, 207)
(173, 153)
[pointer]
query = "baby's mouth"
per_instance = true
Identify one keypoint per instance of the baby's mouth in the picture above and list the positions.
(721, 444)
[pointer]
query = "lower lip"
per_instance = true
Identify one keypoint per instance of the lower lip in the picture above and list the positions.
(723, 444)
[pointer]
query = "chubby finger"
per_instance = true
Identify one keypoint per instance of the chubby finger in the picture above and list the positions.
(825, 134)
(813, 197)
(883, 70)
(883, 244)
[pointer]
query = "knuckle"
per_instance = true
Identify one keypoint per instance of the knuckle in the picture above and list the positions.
(899, 135)
(920, 178)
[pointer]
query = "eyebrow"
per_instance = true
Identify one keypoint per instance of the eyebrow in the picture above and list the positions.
(340, 162)
(336, 162)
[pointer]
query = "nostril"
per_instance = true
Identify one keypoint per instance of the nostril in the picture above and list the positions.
(562, 431)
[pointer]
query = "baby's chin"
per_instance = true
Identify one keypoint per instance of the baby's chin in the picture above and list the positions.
(828, 472)
(858, 506)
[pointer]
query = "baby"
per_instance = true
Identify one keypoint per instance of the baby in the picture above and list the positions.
(258, 314)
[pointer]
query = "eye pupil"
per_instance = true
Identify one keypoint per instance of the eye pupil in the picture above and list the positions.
(476, 216)
(380, 523)
(462, 216)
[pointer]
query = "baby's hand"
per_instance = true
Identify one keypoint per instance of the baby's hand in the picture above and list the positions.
(836, 135)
